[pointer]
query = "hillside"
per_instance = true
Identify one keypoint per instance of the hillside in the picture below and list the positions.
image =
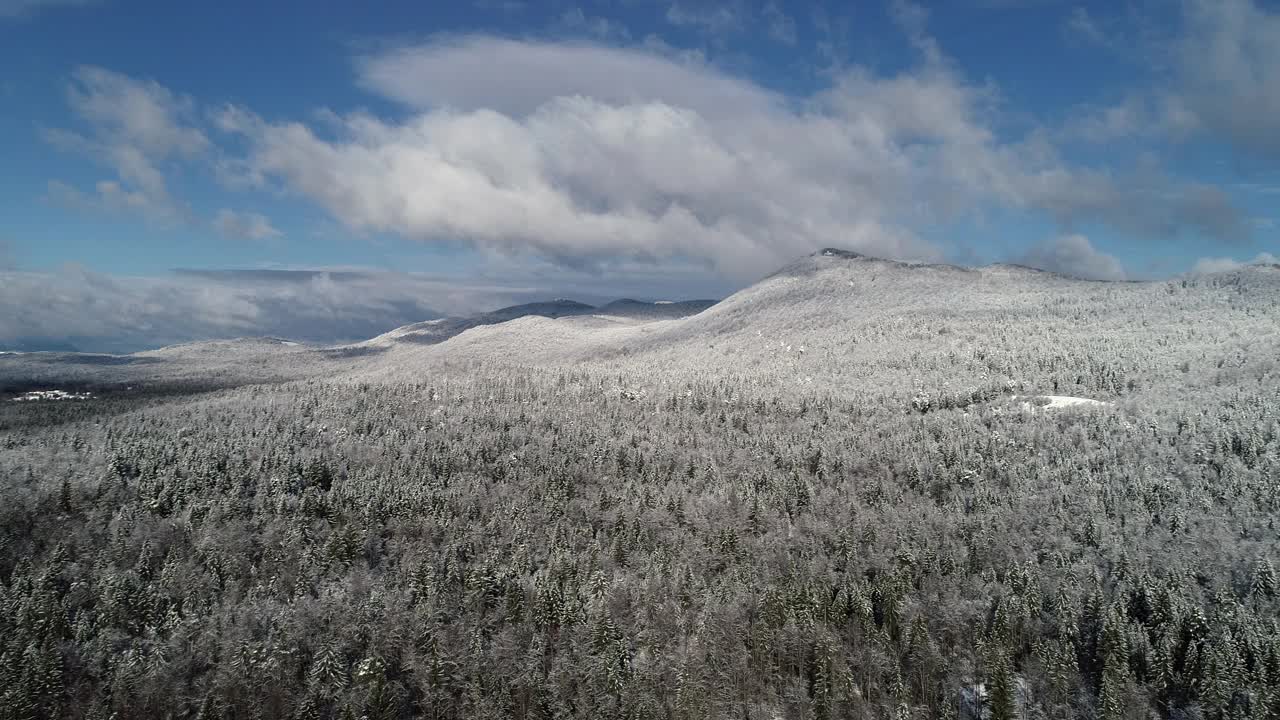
(834, 319)
(432, 332)
(856, 488)
(231, 362)
(866, 325)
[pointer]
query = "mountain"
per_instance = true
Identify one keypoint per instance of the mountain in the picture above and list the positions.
(856, 488)
(640, 310)
(834, 319)
(433, 332)
(844, 320)
(235, 361)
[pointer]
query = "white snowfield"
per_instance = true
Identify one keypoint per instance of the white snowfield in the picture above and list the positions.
(38, 395)
(1057, 402)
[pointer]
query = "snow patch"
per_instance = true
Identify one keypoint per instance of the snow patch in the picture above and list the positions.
(1057, 402)
(37, 395)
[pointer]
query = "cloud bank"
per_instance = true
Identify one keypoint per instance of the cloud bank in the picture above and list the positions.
(76, 308)
(100, 312)
(1075, 256)
(580, 152)
(1226, 264)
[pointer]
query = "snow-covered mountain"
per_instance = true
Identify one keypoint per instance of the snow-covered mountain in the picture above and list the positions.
(843, 319)
(432, 332)
(833, 319)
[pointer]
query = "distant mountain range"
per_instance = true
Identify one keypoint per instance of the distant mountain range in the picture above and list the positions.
(833, 317)
(432, 332)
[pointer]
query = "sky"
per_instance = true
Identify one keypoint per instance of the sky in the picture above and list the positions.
(327, 170)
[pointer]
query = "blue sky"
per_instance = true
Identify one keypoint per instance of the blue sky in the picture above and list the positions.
(499, 149)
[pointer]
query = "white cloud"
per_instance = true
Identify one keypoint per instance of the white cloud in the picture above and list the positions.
(245, 225)
(143, 114)
(1217, 78)
(1075, 256)
(1228, 82)
(135, 128)
(582, 153)
(1226, 264)
(912, 18)
(516, 78)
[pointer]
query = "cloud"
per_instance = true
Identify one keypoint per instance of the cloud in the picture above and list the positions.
(1226, 264)
(515, 78)
(245, 225)
(1228, 82)
(912, 18)
(1216, 79)
(1075, 256)
(134, 128)
(717, 20)
(582, 153)
(110, 196)
(12, 9)
(1128, 118)
(144, 114)
(101, 312)
(1082, 25)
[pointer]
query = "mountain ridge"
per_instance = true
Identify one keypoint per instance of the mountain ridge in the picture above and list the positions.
(849, 309)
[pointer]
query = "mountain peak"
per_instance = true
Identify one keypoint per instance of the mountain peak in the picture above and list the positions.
(837, 252)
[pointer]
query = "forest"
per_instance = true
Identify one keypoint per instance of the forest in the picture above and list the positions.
(552, 545)
(911, 534)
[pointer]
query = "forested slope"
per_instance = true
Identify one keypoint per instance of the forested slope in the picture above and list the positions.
(502, 526)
